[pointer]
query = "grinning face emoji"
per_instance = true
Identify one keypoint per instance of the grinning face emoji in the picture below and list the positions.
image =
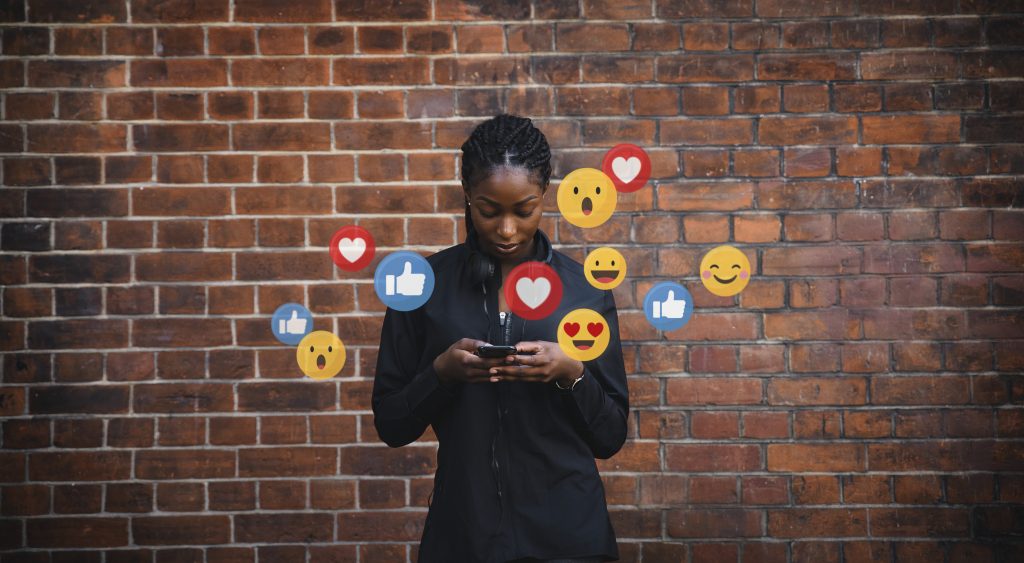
(586, 197)
(605, 268)
(725, 271)
(320, 355)
(583, 334)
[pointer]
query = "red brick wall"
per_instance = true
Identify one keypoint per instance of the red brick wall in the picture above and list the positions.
(173, 171)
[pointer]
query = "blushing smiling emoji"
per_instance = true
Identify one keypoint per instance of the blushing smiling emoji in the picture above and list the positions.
(587, 197)
(583, 334)
(320, 355)
(604, 268)
(725, 271)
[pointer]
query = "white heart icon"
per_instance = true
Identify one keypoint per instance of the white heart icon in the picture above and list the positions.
(626, 170)
(533, 292)
(352, 249)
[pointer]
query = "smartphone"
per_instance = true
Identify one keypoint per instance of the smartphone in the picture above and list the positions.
(489, 351)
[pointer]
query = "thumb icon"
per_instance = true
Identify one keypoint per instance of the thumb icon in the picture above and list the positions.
(295, 314)
(671, 296)
(408, 269)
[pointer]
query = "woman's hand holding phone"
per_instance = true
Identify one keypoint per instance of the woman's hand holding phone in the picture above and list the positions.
(460, 362)
(539, 361)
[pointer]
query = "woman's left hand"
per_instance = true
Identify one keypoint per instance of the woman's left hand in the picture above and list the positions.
(540, 361)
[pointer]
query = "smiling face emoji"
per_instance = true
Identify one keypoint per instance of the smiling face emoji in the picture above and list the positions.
(605, 268)
(583, 334)
(586, 197)
(320, 355)
(725, 271)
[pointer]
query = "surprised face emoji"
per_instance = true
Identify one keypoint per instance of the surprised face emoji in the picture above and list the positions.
(587, 197)
(320, 355)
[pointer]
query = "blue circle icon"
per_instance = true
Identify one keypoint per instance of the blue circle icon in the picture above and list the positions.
(404, 280)
(668, 306)
(291, 322)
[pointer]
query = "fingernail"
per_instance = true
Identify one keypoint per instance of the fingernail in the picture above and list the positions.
(494, 380)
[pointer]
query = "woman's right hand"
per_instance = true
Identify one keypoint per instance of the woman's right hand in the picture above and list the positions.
(459, 363)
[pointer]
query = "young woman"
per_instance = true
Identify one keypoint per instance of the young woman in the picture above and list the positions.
(516, 478)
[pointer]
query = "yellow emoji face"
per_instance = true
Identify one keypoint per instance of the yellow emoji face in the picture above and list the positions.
(583, 334)
(586, 197)
(605, 268)
(725, 271)
(320, 355)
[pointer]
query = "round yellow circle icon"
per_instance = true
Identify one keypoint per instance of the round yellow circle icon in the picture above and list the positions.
(587, 197)
(725, 271)
(604, 268)
(583, 334)
(320, 355)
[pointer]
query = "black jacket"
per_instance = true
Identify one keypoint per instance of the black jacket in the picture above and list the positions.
(515, 475)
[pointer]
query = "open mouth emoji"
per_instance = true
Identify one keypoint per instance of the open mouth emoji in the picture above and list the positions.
(586, 197)
(605, 276)
(604, 268)
(320, 355)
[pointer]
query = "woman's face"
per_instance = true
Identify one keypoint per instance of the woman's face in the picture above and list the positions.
(506, 208)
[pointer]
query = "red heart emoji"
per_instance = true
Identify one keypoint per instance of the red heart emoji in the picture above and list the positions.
(571, 328)
(594, 329)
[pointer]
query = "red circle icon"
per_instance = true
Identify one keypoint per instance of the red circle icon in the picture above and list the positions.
(352, 248)
(628, 166)
(533, 290)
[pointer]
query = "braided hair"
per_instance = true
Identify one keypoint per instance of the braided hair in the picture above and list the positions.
(504, 140)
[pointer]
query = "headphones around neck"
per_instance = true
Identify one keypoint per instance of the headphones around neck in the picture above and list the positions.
(480, 266)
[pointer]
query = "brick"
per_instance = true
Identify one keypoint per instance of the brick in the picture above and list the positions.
(274, 11)
(105, 11)
(839, 66)
(902, 65)
(704, 8)
(815, 457)
(817, 522)
(280, 72)
(476, 39)
(190, 73)
(712, 458)
(73, 137)
(705, 68)
(755, 36)
(818, 391)
(380, 70)
(295, 527)
(284, 462)
(179, 41)
(181, 530)
(80, 466)
(592, 101)
(806, 98)
(282, 136)
(179, 11)
(808, 130)
(707, 131)
(29, 106)
(847, 34)
(180, 137)
(805, 163)
(781, 9)
(705, 36)
(911, 129)
(386, 525)
(82, 532)
(713, 391)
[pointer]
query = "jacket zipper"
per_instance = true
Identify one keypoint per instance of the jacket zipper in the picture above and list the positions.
(494, 442)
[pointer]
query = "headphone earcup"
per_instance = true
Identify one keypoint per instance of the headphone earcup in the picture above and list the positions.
(481, 267)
